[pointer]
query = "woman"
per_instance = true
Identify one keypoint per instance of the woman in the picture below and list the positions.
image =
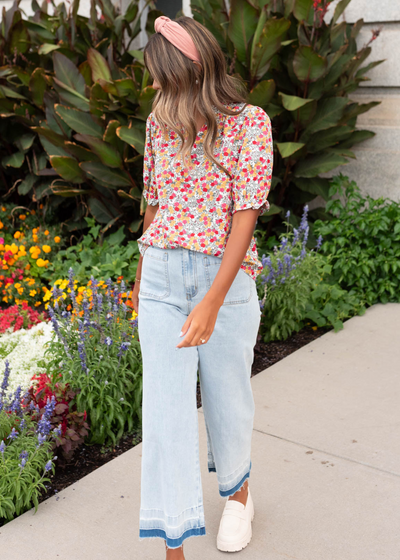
(207, 173)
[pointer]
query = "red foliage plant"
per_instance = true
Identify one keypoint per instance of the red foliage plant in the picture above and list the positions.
(74, 427)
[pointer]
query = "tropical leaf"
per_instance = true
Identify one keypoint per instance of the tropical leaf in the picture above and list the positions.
(105, 175)
(68, 168)
(79, 121)
(287, 149)
(132, 137)
(292, 103)
(309, 65)
(313, 166)
(107, 153)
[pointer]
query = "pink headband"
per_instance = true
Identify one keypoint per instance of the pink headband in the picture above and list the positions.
(178, 36)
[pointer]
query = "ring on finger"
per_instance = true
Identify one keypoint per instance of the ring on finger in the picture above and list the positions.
(202, 340)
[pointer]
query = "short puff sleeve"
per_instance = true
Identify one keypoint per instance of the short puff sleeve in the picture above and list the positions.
(150, 191)
(252, 179)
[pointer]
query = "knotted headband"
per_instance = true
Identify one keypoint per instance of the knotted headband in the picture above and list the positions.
(178, 36)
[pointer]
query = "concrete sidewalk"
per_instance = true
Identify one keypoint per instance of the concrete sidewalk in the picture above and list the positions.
(326, 467)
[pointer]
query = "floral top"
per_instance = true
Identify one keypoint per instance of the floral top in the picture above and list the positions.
(196, 207)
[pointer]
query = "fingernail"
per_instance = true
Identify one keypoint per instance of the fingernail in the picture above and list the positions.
(176, 348)
(181, 333)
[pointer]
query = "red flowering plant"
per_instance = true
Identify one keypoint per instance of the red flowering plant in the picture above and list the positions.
(74, 426)
(20, 316)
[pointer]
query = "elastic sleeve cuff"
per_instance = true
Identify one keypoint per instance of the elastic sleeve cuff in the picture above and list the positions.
(263, 206)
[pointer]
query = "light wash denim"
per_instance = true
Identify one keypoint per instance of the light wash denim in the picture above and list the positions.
(173, 281)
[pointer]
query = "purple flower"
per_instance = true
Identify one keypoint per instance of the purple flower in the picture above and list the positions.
(48, 466)
(319, 243)
(108, 341)
(2, 447)
(13, 435)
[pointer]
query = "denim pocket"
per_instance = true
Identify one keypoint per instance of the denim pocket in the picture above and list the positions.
(241, 287)
(155, 277)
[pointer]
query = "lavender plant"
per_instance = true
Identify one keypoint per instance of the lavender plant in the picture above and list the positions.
(96, 350)
(290, 273)
(26, 454)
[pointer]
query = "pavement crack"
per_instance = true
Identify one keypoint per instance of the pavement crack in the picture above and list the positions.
(327, 452)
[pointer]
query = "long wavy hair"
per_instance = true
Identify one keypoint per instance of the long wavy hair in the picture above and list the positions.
(179, 94)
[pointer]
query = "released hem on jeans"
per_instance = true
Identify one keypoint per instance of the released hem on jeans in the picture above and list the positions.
(172, 543)
(225, 493)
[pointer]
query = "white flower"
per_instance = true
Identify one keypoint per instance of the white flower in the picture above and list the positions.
(23, 349)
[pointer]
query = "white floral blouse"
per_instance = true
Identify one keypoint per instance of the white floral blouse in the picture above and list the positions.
(195, 208)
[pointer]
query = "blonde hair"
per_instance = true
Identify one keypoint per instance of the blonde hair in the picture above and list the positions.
(179, 94)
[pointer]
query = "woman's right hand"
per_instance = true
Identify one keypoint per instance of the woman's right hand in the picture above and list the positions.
(135, 297)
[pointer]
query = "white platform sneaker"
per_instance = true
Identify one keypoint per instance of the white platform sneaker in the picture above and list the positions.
(235, 527)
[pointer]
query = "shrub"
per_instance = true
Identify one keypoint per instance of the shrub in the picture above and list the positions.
(74, 427)
(97, 348)
(362, 239)
(25, 452)
(74, 101)
(290, 273)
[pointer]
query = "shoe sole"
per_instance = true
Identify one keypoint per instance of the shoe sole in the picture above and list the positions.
(237, 546)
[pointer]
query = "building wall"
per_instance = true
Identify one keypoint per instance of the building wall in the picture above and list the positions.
(377, 167)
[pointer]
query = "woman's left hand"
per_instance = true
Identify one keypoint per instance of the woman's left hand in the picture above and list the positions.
(200, 323)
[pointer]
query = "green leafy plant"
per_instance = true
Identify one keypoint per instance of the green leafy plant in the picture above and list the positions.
(299, 69)
(73, 425)
(289, 276)
(103, 257)
(74, 101)
(362, 239)
(101, 360)
(329, 305)
(25, 452)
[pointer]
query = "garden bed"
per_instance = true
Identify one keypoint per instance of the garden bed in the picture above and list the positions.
(89, 458)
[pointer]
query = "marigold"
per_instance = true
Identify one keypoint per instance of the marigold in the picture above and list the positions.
(22, 217)
(17, 234)
(46, 248)
(57, 239)
(41, 262)
(32, 293)
(46, 232)
(1, 225)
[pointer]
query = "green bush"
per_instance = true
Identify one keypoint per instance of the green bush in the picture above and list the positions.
(97, 352)
(362, 239)
(74, 100)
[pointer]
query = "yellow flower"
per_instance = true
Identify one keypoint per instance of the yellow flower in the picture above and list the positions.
(314, 328)
(35, 238)
(14, 248)
(37, 303)
(41, 262)
(17, 234)
(34, 230)
(46, 248)
(17, 285)
(22, 217)
(46, 232)
(57, 239)
(32, 293)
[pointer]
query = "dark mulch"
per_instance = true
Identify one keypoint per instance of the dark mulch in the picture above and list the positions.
(89, 458)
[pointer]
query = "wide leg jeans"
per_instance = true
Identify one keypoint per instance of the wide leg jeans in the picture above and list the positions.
(173, 281)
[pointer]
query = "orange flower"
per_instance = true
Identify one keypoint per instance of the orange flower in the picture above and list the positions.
(22, 217)
(41, 262)
(57, 239)
(17, 234)
(46, 232)
(46, 248)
